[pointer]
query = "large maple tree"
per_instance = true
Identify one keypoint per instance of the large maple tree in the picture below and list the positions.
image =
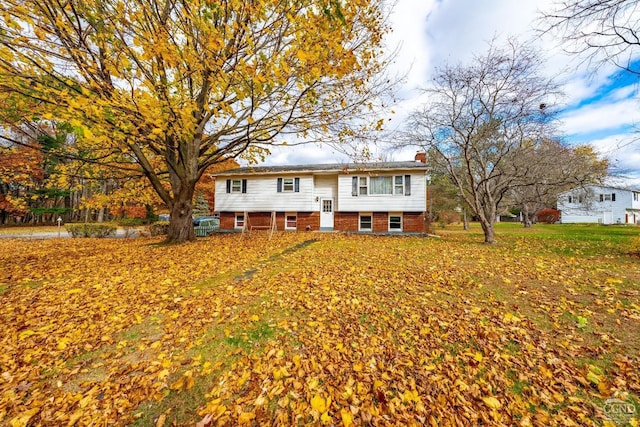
(177, 86)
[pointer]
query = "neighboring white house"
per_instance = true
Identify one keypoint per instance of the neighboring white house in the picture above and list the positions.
(377, 197)
(598, 204)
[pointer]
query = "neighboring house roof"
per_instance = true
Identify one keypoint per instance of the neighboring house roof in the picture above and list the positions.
(602, 187)
(331, 167)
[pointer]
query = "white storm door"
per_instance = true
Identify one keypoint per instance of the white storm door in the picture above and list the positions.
(326, 213)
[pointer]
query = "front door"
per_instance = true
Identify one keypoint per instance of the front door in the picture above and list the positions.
(326, 214)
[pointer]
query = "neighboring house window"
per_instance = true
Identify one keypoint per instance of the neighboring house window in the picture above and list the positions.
(239, 221)
(291, 222)
(288, 185)
(608, 197)
(636, 197)
(366, 222)
(395, 222)
(576, 199)
(236, 186)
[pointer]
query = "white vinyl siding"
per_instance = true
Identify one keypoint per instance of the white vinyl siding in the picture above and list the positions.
(409, 201)
(325, 187)
(262, 195)
(597, 204)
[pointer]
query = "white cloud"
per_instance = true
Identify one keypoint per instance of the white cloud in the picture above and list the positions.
(428, 33)
(623, 153)
(601, 116)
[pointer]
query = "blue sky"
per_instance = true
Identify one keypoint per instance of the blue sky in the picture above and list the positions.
(601, 108)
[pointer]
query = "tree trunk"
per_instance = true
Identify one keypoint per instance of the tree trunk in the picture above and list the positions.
(181, 220)
(465, 220)
(489, 233)
(526, 216)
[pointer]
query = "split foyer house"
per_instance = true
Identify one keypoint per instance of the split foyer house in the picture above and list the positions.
(367, 197)
(598, 204)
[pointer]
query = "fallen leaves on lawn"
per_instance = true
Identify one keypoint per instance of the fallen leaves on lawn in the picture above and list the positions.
(351, 330)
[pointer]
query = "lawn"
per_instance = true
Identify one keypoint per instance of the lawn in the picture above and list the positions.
(308, 328)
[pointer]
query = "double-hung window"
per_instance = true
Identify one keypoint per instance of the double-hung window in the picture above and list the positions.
(288, 185)
(236, 186)
(363, 187)
(398, 184)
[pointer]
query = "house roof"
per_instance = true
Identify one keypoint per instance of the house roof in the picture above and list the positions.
(329, 167)
(601, 187)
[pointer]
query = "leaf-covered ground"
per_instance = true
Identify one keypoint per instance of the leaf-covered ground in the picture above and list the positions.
(313, 328)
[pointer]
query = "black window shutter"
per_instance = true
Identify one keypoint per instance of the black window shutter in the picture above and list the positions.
(279, 185)
(613, 197)
(602, 197)
(228, 186)
(354, 186)
(296, 185)
(407, 185)
(244, 185)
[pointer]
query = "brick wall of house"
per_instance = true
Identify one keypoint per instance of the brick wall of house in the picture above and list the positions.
(263, 219)
(308, 219)
(380, 222)
(227, 220)
(345, 221)
(413, 222)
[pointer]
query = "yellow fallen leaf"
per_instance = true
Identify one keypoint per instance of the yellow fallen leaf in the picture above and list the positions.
(25, 334)
(318, 403)
(410, 396)
(246, 418)
(492, 402)
(325, 418)
(23, 419)
(347, 418)
(62, 343)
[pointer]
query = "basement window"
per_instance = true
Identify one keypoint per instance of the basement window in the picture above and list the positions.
(366, 222)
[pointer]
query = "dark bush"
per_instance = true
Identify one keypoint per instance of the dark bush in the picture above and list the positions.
(159, 228)
(548, 216)
(91, 230)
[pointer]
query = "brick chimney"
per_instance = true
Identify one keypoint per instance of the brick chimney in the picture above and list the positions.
(421, 157)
